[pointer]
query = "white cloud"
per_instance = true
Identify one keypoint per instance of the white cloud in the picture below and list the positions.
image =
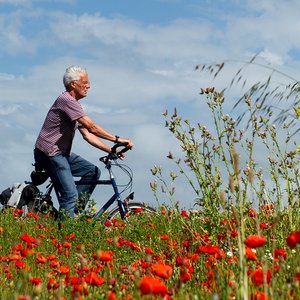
(136, 71)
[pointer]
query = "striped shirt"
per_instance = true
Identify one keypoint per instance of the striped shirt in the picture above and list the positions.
(59, 126)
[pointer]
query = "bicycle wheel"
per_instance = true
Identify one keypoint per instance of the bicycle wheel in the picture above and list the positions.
(41, 207)
(134, 209)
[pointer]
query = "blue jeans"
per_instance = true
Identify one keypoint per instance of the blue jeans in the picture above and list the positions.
(62, 168)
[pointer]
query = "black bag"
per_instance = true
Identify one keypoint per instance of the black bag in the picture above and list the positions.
(19, 195)
(38, 177)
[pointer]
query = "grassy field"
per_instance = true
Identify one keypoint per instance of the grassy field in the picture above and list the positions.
(172, 255)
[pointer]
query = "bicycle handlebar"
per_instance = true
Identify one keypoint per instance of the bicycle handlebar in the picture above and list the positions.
(114, 154)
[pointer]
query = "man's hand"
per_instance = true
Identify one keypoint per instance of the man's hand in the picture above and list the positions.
(126, 141)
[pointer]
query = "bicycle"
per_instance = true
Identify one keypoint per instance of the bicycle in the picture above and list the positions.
(42, 202)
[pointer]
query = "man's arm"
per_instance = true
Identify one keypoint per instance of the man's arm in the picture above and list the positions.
(94, 140)
(95, 129)
(98, 131)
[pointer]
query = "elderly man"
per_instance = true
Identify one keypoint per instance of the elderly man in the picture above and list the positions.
(53, 145)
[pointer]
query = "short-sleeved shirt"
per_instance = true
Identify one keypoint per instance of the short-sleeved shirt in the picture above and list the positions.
(60, 125)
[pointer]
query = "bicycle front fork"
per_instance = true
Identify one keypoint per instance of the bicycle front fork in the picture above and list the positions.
(123, 205)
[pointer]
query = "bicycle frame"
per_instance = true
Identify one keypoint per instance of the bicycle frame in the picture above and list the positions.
(115, 197)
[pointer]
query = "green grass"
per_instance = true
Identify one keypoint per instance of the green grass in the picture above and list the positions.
(204, 255)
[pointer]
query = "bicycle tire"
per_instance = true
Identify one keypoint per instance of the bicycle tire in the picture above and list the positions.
(40, 208)
(133, 207)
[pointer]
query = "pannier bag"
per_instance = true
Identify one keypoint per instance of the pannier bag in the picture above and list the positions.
(18, 195)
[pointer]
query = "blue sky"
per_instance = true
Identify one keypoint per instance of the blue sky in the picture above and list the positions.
(141, 57)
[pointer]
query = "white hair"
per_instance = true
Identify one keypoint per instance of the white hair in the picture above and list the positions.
(73, 73)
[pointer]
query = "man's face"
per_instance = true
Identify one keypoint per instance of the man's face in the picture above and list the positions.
(80, 87)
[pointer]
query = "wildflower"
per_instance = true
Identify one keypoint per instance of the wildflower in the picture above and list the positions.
(259, 296)
(103, 255)
(234, 233)
(40, 259)
(24, 297)
(267, 207)
(164, 237)
(67, 245)
(53, 284)
(18, 212)
(161, 270)
(184, 214)
(51, 257)
(15, 257)
(93, 279)
(29, 240)
(35, 280)
(258, 277)
(64, 270)
(254, 241)
(138, 210)
(208, 249)
(20, 265)
(32, 215)
(107, 223)
(280, 253)
(264, 225)
(148, 250)
(181, 261)
(250, 253)
(252, 212)
(293, 239)
(152, 285)
(111, 295)
(185, 276)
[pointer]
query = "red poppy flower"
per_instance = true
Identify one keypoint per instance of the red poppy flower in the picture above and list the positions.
(184, 214)
(258, 277)
(148, 250)
(264, 225)
(250, 253)
(40, 259)
(293, 239)
(93, 279)
(138, 210)
(208, 249)
(19, 264)
(181, 261)
(67, 245)
(161, 270)
(103, 255)
(53, 284)
(234, 233)
(64, 270)
(254, 241)
(152, 285)
(252, 212)
(32, 215)
(185, 276)
(35, 280)
(259, 296)
(107, 223)
(13, 257)
(51, 257)
(280, 253)
(164, 237)
(29, 240)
